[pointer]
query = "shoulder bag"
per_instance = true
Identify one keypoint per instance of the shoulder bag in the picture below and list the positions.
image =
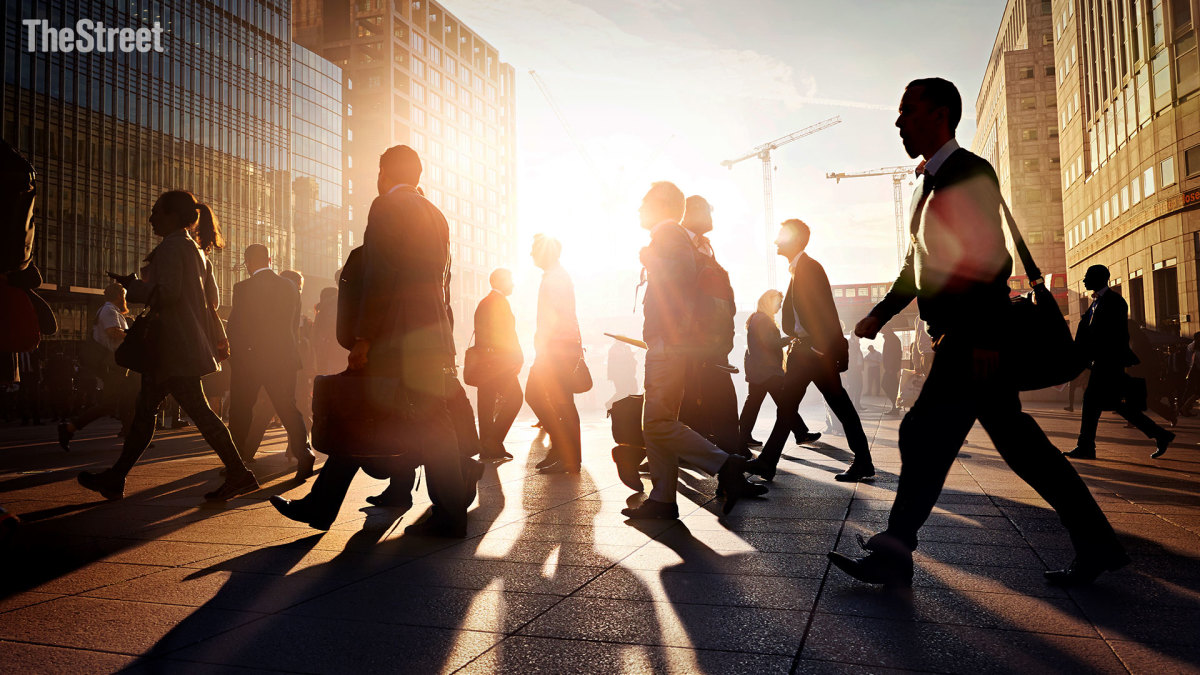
(139, 350)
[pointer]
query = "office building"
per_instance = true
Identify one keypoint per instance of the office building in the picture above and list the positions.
(318, 219)
(109, 132)
(1129, 117)
(417, 75)
(1016, 114)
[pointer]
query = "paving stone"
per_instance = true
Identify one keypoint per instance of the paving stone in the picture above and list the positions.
(222, 589)
(26, 659)
(96, 575)
(748, 629)
(551, 656)
(478, 574)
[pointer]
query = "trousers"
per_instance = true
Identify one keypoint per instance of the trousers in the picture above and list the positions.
(499, 400)
(245, 382)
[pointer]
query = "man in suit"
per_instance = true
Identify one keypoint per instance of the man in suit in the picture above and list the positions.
(264, 355)
(499, 397)
(402, 330)
(817, 355)
(1102, 339)
(670, 262)
(957, 269)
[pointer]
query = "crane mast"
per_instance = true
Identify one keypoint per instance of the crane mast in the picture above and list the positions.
(763, 153)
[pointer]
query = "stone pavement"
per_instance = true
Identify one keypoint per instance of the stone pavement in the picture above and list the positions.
(553, 579)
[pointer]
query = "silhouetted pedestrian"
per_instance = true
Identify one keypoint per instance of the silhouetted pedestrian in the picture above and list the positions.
(498, 397)
(116, 394)
(764, 368)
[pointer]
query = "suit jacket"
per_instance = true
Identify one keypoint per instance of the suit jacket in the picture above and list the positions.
(557, 324)
(958, 264)
(178, 284)
(496, 327)
(809, 301)
(405, 294)
(670, 262)
(263, 323)
(764, 349)
(1102, 336)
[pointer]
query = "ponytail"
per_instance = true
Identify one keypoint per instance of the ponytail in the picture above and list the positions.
(208, 230)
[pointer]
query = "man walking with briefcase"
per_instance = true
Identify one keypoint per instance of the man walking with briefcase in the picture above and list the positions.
(403, 349)
(499, 395)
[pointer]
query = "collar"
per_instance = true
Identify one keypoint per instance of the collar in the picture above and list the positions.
(1096, 295)
(261, 269)
(795, 261)
(930, 166)
(398, 186)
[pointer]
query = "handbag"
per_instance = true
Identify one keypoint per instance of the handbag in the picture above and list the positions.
(1041, 350)
(364, 416)
(139, 350)
(581, 377)
(626, 415)
(20, 331)
(480, 364)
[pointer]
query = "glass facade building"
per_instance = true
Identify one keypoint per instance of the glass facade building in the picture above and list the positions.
(109, 132)
(318, 218)
(418, 75)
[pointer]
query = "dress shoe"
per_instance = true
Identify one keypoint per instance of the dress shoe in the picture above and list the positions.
(1069, 409)
(1083, 571)
(856, 473)
(888, 562)
(472, 474)
(64, 436)
(108, 484)
(757, 467)
(232, 487)
(498, 454)
(306, 460)
(1081, 453)
(810, 437)
(248, 461)
(652, 510)
(546, 461)
(627, 458)
(752, 442)
(437, 527)
(392, 499)
(731, 480)
(557, 468)
(297, 510)
(1163, 442)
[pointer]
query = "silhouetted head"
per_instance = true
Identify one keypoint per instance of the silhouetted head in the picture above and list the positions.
(329, 294)
(1096, 278)
(501, 280)
(664, 201)
(870, 348)
(398, 165)
(770, 302)
(792, 239)
(697, 215)
(546, 251)
(178, 209)
(115, 293)
(256, 257)
(295, 277)
(929, 114)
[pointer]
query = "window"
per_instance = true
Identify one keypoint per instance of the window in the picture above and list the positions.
(1107, 214)
(1167, 171)
(1137, 297)
(1191, 161)
(1047, 38)
(837, 293)
(1029, 165)
(1050, 71)
(1051, 132)
(1029, 134)
(1029, 103)
(864, 292)
(1033, 196)
(1135, 191)
(1036, 238)
(1124, 198)
(1025, 73)
(1148, 182)
(1166, 296)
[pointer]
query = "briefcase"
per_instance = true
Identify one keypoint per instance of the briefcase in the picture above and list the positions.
(365, 416)
(626, 415)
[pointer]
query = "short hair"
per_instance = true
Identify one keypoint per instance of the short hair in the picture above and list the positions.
(695, 208)
(667, 195)
(940, 93)
(293, 276)
(1098, 272)
(798, 228)
(497, 273)
(401, 162)
(546, 247)
(114, 291)
(257, 250)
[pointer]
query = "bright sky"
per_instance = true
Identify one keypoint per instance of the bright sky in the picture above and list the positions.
(667, 89)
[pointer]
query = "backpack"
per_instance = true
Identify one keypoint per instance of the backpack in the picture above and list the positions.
(714, 307)
(350, 295)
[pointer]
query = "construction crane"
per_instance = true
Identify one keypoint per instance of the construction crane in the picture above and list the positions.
(898, 174)
(763, 152)
(562, 119)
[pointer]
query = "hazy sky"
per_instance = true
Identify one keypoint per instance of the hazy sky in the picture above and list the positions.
(666, 89)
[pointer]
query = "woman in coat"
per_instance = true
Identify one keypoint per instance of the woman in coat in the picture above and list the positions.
(178, 285)
(764, 367)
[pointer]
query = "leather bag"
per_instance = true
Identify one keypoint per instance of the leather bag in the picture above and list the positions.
(1040, 350)
(139, 350)
(364, 416)
(626, 416)
(581, 377)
